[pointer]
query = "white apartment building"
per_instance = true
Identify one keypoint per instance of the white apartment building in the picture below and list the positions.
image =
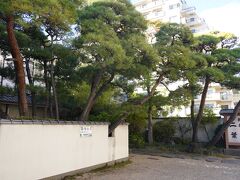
(218, 98)
(176, 11)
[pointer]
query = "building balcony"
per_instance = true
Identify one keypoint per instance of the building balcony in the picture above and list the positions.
(149, 7)
(217, 97)
(196, 22)
(236, 97)
(226, 97)
(141, 2)
(187, 11)
(155, 16)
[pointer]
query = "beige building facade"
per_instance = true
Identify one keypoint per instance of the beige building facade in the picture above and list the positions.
(218, 98)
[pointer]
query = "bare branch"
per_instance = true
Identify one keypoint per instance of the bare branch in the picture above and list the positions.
(164, 84)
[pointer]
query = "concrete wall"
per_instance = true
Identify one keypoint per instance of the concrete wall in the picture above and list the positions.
(184, 125)
(205, 134)
(34, 151)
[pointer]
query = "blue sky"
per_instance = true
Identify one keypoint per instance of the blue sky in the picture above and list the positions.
(222, 15)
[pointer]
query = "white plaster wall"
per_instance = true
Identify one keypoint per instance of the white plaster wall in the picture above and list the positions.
(38, 151)
(120, 135)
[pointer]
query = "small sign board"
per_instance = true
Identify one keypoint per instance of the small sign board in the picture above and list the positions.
(233, 132)
(86, 131)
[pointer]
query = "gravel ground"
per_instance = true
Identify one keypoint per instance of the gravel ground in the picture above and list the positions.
(147, 167)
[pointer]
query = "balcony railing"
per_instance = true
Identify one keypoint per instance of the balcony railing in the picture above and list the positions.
(217, 97)
(150, 7)
(188, 10)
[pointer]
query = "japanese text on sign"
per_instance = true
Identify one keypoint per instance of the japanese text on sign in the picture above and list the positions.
(234, 131)
(86, 131)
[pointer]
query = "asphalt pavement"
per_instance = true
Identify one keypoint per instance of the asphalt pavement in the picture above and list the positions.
(156, 167)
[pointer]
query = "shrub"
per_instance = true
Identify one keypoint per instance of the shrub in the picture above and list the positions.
(136, 140)
(163, 131)
(137, 120)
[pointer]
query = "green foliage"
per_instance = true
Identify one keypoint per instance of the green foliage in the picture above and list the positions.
(174, 34)
(6, 90)
(57, 12)
(136, 141)
(103, 117)
(163, 131)
(209, 117)
(108, 29)
(206, 43)
(181, 96)
(136, 119)
(111, 44)
(172, 44)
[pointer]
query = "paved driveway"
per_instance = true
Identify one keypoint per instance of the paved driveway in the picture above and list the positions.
(147, 167)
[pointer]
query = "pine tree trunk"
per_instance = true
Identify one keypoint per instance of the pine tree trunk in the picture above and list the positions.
(141, 102)
(196, 122)
(50, 101)
(85, 114)
(151, 91)
(92, 97)
(46, 112)
(195, 133)
(200, 111)
(54, 92)
(19, 67)
(150, 128)
(206, 131)
(192, 118)
(31, 82)
(192, 110)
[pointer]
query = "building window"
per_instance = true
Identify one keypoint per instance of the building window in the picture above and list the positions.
(210, 106)
(210, 93)
(174, 6)
(192, 19)
(174, 19)
(194, 31)
(224, 95)
(158, 12)
(224, 106)
(155, 1)
(144, 5)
